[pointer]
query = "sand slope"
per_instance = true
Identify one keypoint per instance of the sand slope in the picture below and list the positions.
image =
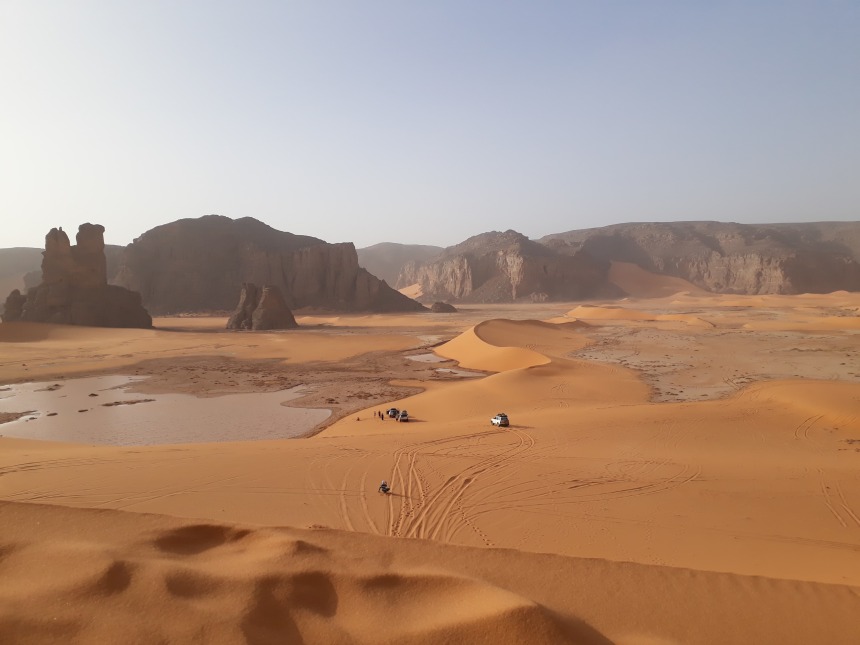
(102, 576)
(639, 283)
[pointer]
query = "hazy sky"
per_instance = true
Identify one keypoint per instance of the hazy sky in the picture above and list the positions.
(425, 122)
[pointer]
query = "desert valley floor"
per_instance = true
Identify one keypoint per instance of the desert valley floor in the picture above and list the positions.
(678, 469)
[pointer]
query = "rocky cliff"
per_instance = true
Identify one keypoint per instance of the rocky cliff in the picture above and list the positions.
(731, 258)
(507, 267)
(200, 264)
(74, 288)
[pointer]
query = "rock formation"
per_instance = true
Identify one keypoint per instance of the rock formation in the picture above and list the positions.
(14, 306)
(261, 310)
(731, 258)
(249, 298)
(74, 288)
(272, 312)
(443, 308)
(20, 268)
(200, 265)
(507, 267)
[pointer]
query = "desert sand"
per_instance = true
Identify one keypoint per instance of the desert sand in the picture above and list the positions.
(680, 468)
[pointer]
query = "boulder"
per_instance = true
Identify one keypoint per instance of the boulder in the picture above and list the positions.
(261, 309)
(443, 308)
(74, 288)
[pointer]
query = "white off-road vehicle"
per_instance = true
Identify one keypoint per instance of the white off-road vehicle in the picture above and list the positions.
(500, 420)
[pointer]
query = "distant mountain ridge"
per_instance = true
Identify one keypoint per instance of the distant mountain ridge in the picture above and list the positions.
(199, 264)
(816, 257)
(507, 267)
(15, 263)
(719, 257)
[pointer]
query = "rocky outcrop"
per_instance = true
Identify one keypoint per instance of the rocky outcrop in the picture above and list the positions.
(731, 258)
(249, 298)
(13, 308)
(261, 310)
(200, 265)
(272, 312)
(443, 308)
(507, 267)
(74, 288)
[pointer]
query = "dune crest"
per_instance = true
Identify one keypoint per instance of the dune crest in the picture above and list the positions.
(471, 351)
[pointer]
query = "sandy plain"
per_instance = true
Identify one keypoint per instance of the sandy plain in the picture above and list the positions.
(680, 468)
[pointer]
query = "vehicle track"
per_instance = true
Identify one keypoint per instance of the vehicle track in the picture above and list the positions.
(437, 515)
(413, 480)
(834, 500)
(803, 428)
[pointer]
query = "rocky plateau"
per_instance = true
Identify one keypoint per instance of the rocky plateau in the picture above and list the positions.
(198, 265)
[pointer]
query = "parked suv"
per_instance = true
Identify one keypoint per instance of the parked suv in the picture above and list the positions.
(392, 413)
(403, 416)
(500, 420)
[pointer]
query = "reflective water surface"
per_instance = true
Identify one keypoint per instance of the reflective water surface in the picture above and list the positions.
(101, 410)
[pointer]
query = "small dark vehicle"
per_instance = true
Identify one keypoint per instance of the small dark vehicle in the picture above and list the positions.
(403, 417)
(384, 488)
(392, 412)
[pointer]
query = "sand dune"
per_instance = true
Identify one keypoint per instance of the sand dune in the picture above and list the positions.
(551, 339)
(605, 513)
(101, 576)
(413, 291)
(838, 403)
(639, 283)
(821, 323)
(623, 313)
(471, 352)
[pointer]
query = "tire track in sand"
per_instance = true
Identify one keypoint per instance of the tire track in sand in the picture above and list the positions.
(413, 480)
(437, 513)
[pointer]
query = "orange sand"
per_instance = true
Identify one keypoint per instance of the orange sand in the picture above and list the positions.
(630, 501)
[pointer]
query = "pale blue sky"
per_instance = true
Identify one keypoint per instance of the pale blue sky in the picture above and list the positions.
(425, 122)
